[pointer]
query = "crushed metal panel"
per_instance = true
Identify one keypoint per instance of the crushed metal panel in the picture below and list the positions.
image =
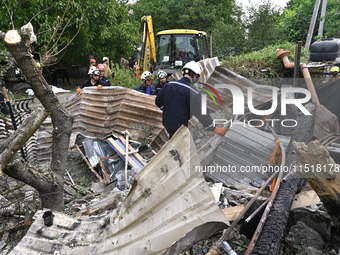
(208, 66)
(166, 202)
(243, 147)
(111, 110)
(222, 75)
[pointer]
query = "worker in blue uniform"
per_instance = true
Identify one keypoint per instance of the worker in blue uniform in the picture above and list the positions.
(146, 86)
(180, 100)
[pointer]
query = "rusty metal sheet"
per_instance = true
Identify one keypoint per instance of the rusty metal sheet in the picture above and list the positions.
(166, 201)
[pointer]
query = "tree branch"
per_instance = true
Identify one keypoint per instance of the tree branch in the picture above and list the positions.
(44, 183)
(11, 145)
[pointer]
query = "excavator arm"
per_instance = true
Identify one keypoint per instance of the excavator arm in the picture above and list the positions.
(148, 52)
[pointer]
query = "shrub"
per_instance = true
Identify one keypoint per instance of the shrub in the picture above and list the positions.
(251, 64)
(125, 78)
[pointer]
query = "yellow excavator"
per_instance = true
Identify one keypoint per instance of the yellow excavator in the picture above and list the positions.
(175, 48)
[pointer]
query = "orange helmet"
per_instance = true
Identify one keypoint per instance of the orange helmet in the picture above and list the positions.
(93, 60)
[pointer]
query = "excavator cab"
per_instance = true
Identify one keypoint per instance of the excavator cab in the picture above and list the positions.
(176, 47)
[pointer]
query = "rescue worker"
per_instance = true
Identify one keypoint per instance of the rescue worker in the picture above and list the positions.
(107, 72)
(93, 81)
(146, 86)
(335, 73)
(176, 98)
(93, 63)
(102, 76)
(124, 63)
(162, 77)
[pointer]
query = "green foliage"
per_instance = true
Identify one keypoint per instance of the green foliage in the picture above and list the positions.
(195, 14)
(295, 21)
(102, 29)
(227, 39)
(148, 131)
(125, 78)
(251, 64)
(262, 23)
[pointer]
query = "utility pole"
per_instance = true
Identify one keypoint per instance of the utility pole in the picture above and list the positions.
(323, 17)
(312, 24)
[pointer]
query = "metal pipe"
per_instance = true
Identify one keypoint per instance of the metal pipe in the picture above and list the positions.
(256, 211)
(310, 84)
(243, 212)
(283, 55)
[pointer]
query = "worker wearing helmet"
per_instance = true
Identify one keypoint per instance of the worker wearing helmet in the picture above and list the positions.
(176, 99)
(146, 86)
(107, 72)
(334, 74)
(102, 76)
(162, 81)
(93, 63)
(94, 80)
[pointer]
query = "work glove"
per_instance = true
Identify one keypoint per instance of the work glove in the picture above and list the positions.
(220, 131)
(78, 90)
(99, 86)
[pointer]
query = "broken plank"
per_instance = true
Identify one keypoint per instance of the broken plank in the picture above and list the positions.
(232, 212)
(108, 203)
(88, 163)
(321, 172)
(305, 198)
(121, 152)
(133, 151)
(106, 176)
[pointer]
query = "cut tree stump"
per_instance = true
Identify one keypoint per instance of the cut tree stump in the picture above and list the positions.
(322, 173)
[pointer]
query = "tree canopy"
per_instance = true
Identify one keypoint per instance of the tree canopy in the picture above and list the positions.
(262, 24)
(196, 14)
(106, 28)
(294, 23)
(102, 29)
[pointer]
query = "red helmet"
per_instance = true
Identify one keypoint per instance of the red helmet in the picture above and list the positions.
(101, 67)
(93, 60)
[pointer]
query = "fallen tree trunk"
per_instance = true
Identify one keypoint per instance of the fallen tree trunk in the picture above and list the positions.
(17, 139)
(322, 173)
(51, 195)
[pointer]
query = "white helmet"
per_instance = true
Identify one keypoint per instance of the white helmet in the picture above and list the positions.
(146, 76)
(94, 70)
(161, 74)
(192, 66)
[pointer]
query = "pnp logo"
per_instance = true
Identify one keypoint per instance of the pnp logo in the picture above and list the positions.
(238, 100)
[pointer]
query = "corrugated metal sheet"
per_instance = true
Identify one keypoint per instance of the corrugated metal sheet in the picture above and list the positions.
(222, 75)
(244, 148)
(166, 201)
(111, 110)
(208, 66)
